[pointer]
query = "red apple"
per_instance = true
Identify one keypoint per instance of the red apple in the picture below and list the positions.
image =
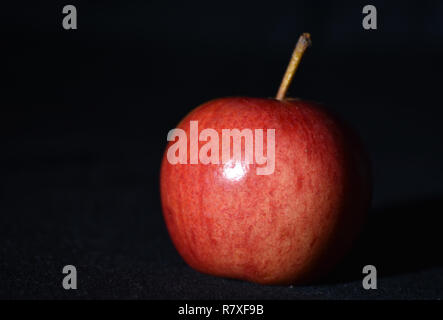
(290, 226)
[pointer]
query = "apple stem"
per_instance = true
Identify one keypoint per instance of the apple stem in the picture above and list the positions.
(302, 44)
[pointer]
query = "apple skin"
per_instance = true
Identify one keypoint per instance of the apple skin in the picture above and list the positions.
(288, 227)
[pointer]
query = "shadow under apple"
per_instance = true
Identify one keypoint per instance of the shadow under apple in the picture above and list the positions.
(396, 239)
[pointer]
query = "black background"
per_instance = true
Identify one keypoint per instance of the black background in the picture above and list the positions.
(85, 115)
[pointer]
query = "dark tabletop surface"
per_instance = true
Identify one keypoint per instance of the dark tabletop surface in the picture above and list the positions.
(85, 116)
